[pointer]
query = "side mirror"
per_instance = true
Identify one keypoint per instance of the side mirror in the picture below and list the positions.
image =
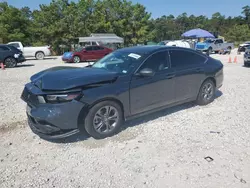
(146, 72)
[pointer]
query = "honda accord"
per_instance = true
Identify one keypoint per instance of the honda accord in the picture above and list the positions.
(125, 84)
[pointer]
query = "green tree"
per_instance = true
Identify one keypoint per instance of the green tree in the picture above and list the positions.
(14, 24)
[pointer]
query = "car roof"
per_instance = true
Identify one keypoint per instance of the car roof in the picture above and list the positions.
(148, 49)
(143, 49)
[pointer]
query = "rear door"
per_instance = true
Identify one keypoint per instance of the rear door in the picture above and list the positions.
(87, 53)
(189, 73)
(148, 93)
(218, 45)
(5, 52)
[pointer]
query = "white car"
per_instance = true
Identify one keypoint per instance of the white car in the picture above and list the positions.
(37, 52)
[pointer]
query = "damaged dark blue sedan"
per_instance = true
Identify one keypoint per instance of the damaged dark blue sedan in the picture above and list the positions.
(125, 84)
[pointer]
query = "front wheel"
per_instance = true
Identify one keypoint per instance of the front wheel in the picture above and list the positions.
(210, 50)
(76, 59)
(207, 93)
(104, 119)
(10, 62)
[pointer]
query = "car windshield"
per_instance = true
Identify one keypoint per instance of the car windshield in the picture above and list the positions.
(209, 41)
(120, 62)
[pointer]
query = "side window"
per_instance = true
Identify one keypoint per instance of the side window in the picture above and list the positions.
(157, 62)
(97, 48)
(88, 48)
(4, 48)
(181, 58)
(220, 41)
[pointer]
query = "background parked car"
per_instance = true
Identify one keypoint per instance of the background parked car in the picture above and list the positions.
(88, 53)
(214, 45)
(37, 52)
(10, 56)
(247, 57)
(243, 47)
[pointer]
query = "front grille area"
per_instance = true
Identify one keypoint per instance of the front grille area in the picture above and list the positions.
(29, 97)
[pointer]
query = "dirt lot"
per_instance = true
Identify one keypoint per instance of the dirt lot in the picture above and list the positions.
(165, 149)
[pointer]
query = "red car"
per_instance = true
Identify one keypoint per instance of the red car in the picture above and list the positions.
(88, 53)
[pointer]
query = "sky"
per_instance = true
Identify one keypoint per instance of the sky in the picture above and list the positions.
(166, 7)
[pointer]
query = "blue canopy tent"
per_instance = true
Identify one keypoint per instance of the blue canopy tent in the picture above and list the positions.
(197, 33)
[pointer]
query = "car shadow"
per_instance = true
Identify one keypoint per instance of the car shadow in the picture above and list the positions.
(46, 58)
(24, 65)
(135, 122)
(246, 66)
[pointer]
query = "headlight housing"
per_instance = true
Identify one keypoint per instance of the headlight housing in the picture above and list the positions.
(59, 98)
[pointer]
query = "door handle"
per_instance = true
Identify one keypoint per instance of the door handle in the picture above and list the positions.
(199, 70)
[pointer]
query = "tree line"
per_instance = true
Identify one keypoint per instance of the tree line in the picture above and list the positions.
(61, 21)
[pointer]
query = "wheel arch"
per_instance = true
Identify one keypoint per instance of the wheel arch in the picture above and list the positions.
(210, 78)
(39, 52)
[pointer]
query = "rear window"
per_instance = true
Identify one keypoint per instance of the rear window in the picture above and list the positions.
(14, 44)
(4, 48)
(14, 48)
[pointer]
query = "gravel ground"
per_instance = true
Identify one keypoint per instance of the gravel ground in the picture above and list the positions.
(165, 149)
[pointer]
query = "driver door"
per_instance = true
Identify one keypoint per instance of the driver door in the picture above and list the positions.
(148, 93)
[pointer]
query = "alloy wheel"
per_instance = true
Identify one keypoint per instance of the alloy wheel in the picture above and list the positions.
(76, 59)
(207, 91)
(105, 119)
(10, 62)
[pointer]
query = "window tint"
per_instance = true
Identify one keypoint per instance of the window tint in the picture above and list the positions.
(97, 48)
(15, 45)
(4, 48)
(220, 41)
(181, 58)
(14, 49)
(88, 48)
(157, 62)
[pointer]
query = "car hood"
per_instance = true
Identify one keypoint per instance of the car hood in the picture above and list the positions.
(64, 78)
(68, 54)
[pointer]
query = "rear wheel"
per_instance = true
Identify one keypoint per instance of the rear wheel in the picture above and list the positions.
(207, 93)
(229, 49)
(104, 119)
(40, 55)
(76, 59)
(10, 62)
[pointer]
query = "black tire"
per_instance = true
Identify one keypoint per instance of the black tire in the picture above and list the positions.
(210, 50)
(40, 55)
(76, 59)
(229, 50)
(10, 62)
(90, 118)
(246, 64)
(202, 99)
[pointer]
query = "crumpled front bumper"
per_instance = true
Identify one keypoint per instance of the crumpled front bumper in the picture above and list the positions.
(52, 120)
(47, 131)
